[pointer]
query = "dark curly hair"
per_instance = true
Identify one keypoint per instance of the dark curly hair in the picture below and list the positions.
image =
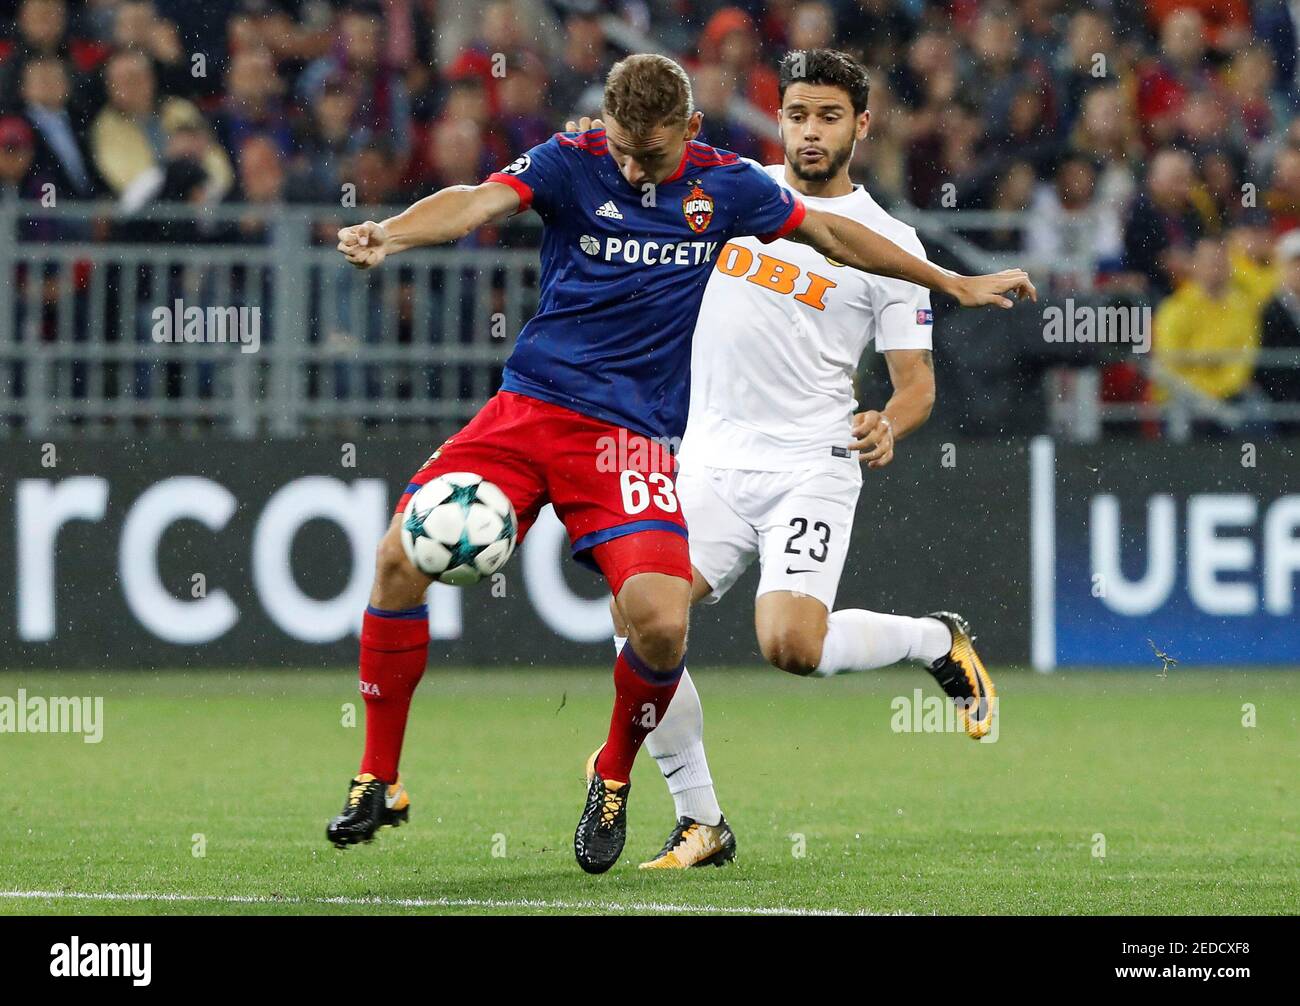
(830, 68)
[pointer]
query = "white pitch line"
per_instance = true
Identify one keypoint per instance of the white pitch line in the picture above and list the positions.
(257, 899)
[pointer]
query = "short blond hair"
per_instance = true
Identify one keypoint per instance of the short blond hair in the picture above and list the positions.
(646, 91)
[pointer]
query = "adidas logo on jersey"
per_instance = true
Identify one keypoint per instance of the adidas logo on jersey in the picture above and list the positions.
(609, 210)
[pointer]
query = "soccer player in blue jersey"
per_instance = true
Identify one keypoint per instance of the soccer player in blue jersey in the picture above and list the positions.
(635, 216)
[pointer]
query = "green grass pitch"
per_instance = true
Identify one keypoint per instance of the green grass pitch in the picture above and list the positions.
(834, 811)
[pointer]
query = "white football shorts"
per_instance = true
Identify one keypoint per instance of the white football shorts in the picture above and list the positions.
(797, 522)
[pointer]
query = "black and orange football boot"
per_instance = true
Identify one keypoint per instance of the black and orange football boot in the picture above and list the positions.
(602, 829)
(371, 804)
(961, 674)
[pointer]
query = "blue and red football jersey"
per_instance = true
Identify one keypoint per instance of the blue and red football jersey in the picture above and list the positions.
(623, 273)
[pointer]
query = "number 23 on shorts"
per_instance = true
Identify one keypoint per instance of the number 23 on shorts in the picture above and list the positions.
(817, 551)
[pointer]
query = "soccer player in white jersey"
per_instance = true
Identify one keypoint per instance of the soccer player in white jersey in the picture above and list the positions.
(772, 454)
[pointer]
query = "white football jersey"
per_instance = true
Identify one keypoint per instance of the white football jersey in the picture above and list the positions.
(779, 337)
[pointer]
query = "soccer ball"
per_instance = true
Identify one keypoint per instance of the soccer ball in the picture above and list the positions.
(457, 528)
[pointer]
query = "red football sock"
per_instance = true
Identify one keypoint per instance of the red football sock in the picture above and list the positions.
(641, 697)
(394, 649)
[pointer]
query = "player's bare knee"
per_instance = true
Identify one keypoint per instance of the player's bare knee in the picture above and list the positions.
(792, 650)
(660, 637)
(398, 584)
(391, 563)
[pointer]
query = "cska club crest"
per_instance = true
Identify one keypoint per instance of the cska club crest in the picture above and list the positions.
(698, 208)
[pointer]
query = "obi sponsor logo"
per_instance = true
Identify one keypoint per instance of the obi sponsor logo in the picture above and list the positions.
(775, 275)
(634, 252)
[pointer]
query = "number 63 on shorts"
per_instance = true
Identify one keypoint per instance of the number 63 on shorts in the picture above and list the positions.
(640, 490)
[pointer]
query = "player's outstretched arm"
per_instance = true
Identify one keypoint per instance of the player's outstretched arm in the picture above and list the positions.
(447, 215)
(862, 248)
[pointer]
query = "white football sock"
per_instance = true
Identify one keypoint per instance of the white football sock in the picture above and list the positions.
(858, 640)
(677, 746)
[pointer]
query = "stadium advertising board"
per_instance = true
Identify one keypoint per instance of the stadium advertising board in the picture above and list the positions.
(1160, 553)
(241, 554)
(230, 554)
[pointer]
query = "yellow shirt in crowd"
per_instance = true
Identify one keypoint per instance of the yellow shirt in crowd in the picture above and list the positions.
(1192, 321)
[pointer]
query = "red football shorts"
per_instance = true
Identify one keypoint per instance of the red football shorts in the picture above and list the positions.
(614, 490)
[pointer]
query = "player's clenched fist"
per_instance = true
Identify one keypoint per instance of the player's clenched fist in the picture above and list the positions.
(583, 124)
(364, 245)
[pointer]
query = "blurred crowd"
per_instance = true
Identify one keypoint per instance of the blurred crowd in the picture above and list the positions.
(1152, 142)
